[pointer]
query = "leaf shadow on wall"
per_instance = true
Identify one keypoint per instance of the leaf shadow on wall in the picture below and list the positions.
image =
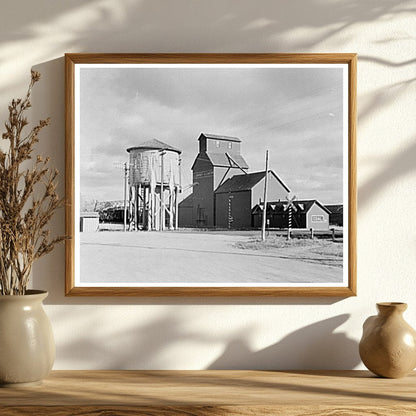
(48, 100)
(313, 347)
(132, 26)
(151, 345)
(400, 164)
(396, 166)
(114, 347)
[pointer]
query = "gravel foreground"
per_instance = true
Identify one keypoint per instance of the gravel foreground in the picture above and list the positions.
(207, 257)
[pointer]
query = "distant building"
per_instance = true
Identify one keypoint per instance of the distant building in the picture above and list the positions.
(224, 193)
(186, 208)
(308, 214)
(110, 211)
(88, 222)
(336, 216)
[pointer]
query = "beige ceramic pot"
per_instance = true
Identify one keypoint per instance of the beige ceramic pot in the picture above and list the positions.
(27, 347)
(388, 344)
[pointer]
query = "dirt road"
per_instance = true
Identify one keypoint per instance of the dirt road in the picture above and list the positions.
(197, 257)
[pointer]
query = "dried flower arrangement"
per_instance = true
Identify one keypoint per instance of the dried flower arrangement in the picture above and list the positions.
(28, 199)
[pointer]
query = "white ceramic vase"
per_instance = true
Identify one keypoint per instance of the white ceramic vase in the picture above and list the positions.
(27, 347)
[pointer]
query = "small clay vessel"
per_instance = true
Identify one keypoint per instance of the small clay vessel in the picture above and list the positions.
(388, 344)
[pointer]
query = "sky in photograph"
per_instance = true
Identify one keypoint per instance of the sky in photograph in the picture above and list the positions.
(295, 113)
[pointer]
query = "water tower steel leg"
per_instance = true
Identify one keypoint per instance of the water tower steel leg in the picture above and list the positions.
(145, 208)
(150, 216)
(163, 208)
(176, 208)
(170, 209)
(135, 206)
(162, 179)
(152, 209)
(125, 198)
(129, 207)
(157, 210)
(131, 222)
(131, 204)
(149, 212)
(139, 206)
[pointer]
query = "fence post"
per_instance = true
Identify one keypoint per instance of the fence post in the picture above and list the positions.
(311, 229)
(333, 234)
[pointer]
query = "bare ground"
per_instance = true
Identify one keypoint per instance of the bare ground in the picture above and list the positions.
(325, 252)
(206, 257)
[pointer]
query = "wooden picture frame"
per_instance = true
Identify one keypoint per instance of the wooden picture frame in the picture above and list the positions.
(111, 102)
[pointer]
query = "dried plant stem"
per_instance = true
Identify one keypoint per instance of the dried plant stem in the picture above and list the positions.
(23, 217)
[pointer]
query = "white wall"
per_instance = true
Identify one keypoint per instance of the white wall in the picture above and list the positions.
(198, 333)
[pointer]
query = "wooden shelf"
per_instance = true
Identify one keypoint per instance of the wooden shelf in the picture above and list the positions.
(202, 393)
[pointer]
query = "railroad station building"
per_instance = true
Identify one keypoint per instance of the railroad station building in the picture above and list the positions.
(305, 214)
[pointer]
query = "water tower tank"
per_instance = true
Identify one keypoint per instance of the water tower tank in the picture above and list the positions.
(146, 160)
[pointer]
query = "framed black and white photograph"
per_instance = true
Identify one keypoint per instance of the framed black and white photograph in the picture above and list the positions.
(211, 174)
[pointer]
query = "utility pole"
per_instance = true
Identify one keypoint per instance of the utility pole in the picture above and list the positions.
(126, 167)
(263, 225)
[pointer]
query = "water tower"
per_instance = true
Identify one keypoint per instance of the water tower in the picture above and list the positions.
(154, 185)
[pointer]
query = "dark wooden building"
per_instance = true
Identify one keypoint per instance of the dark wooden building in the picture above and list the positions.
(309, 214)
(237, 196)
(186, 207)
(336, 216)
(224, 193)
(218, 159)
